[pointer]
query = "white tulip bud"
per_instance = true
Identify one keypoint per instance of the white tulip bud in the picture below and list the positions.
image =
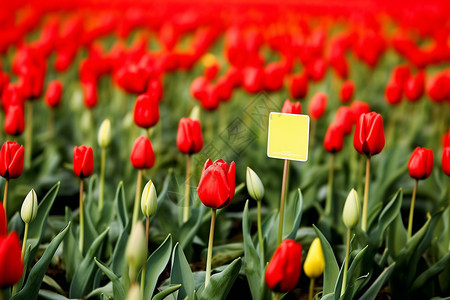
(136, 251)
(254, 185)
(350, 214)
(29, 207)
(104, 134)
(149, 200)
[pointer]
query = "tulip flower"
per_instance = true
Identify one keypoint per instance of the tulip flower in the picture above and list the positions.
(136, 251)
(198, 87)
(215, 190)
(83, 166)
(255, 189)
(314, 264)
(14, 120)
(344, 118)
(291, 107)
(393, 93)
(252, 79)
(446, 160)
(53, 94)
(368, 140)
(10, 262)
(317, 105)
(347, 90)
(11, 165)
(90, 93)
(274, 76)
(358, 108)
(299, 86)
(28, 213)
(420, 166)
(415, 87)
(103, 139)
(283, 271)
(146, 111)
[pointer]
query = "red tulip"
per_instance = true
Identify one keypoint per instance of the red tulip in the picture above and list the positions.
(252, 79)
(10, 260)
(211, 71)
(400, 74)
(446, 139)
(439, 87)
(217, 183)
(132, 78)
(283, 270)
(317, 105)
(12, 95)
(53, 93)
(31, 82)
(446, 161)
(393, 92)
(14, 120)
(198, 87)
(345, 119)
(155, 89)
(274, 77)
(3, 222)
(11, 160)
(142, 156)
(224, 88)
(346, 92)
(189, 136)
(90, 93)
(83, 161)
(358, 108)
(334, 139)
(299, 85)
(291, 107)
(415, 86)
(210, 99)
(317, 69)
(369, 134)
(146, 111)
(421, 163)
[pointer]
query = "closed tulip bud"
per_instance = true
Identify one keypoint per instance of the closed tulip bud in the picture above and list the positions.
(14, 120)
(345, 119)
(358, 108)
(136, 250)
(347, 90)
(438, 87)
(11, 160)
(334, 139)
(189, 136)
(291, 107)
(10, 260)
(274, 76)
(255, 187)
(149, 200)
(252, 79)
(53, 93)
(29, 207)
(369, 134)
(134, 292)
(217, 183)
(317, 69)
(195, 113)
(104, 134)
(298, 86)
(3, 222)
(446, 139)
(421, 163)
(446, 161)
(146, 111)
(415, 86)
(283, 270)
(314, 262)
(350, 215)
(83, 161)
(393, 92)
(400, 74)
(317, 105)
(142, 155)
(198, 87)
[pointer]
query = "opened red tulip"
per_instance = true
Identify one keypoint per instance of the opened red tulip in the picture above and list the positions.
(83, 161)
(369, 134)
(291, 107)
(11, 160)
(283, 270)
(299, 85)
(334, 139)
(14, 120)
(446, 160)
(3, 222)
(421, 163)
(317, 105)
(189, 136)
(146, 111)
(10, 260)
(142, 155)
(347, 90)
(53, 93)
(217, 184)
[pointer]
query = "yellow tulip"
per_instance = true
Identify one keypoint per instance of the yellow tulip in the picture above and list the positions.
(314, 262)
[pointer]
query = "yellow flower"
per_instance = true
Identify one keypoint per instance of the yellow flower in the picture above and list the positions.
(314, 262)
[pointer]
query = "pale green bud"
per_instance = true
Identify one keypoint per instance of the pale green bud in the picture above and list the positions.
(104, 134)
(29, 207)
(195, 113)
(134, 292)
(149, 200)
(254, 185)
(136, 251)
(350, 214)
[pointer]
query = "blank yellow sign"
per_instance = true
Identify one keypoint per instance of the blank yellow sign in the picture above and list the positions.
(288, 136)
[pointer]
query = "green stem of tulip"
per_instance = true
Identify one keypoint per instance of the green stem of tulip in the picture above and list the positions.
(313, 133)
(147, 227)
(210, 246)
(187, 190)
(282, 201)
(29, 133)
(136, 198)
(411, 209)
(260, 237)
(81, 242)
(5, 196)
(51, 122)
(102, 180)
(366, 196)
(311, 288)
(360, 172)
(347, 255)
(276, 296)
(24, 243)
(330, 186)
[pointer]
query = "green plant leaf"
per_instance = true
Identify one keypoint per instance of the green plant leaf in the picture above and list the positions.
(331, 271)
(355, 278)
(163, 294)
(297, 210)
(50, 295)
(431, 272)
(190, 228)
(118, 289)
(181, 273)
(37, 273)
(156, 264)
(121, 205)
(71, 254)
(376, 286)
(396, 237)
(118, 259)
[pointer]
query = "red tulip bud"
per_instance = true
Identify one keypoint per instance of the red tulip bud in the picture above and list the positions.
(316, 69)
(334, 139)
(11, 160)
(393, 92)
(346, 92)
(439, 87)
(189, 136)
(252, 79)
(291, 107)
(358, 108)
(53, 93)
(400, 74)
(142, 156)
(274, 77)
(90, 93)
(446, 139)
(345, 119)
(14, 120)
(446, 161)
(317, 105)
(299, 85)
(83, 161)
(10, 260)
(415, 86)
(146, 111)
(198, 87)
(421, 163)
(369, 134)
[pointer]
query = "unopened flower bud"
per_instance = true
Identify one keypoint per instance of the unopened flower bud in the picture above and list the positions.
(104, 134)
(314, 262)
(350, 214)
(136, 251)
(29, 207)
(195, 113)
(134, 292)
(254, 185)
(149, 200)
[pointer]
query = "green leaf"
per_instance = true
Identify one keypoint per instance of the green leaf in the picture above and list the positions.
(163, 294)
(396, 237)
(118, 289)
(375, 288)
(354, 280)
(84, 275)
(107, 289)
(221, 283)
(52, 283)
(156, 264)
(37, 273)
(431, 272)
(121, 204)
(297, 210)
(118, 259)
(50, 295)
(71, 254)
(190, 229)
(331, 271)
(181, 273)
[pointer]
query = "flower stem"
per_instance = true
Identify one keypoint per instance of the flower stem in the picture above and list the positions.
(187, 190)
(29, 133)
(260, 238)
(5, 196)
(313, 133)
(411, 209)
(102, 179)
(51, 123)
(330, 186)
(276, 296)
(147, 226)
(347, 254)
(136, 198)
(210, 246)
(366, 196)
(24, 243)
(282, 201)
(311, 288)
(81, 242)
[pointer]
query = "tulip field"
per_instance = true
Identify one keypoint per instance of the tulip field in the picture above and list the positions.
(135, 159)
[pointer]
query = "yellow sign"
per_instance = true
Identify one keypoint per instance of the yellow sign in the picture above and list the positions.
(288, 136)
